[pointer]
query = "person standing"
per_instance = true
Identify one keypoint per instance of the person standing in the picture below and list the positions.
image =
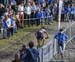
(16, 59)
(9, 23)
(32, 54)
(28, 11)
(61, 38)
(21, 14)
(23, 54)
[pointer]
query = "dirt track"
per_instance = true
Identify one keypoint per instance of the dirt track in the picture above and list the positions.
(7, 55)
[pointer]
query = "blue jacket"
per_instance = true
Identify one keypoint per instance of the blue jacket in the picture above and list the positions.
(65, 10)
(72, 10)
(23, 55)
(49, 1)
(12, 21)
(5, 24)
(32, 55)
(47, 10)
(61, 37)
(37, 14)
(42, 14)
(41, 1)
(69, 10)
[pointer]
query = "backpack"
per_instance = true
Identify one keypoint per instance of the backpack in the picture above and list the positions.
(34, 54)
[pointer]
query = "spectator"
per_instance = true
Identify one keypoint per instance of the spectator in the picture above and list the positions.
(41, 1)
(2, 10)
(10, 11)
(42, 16)
(23, 54)
(19, 1)
(55, 11)
(13, 4)
(38, 17)
(17, 20)
(61, 38)
(16, 59)
(49, 1)
(4, 28)
(65, 13)
(14, 23)
(9, 23)
(49, 16)
(21, 14)
(28, 11)
(72, 12)
(69, 12)
(34, 9)
(33, 54)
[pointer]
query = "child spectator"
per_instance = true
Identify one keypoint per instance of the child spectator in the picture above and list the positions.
(23, 54)
(16, 59)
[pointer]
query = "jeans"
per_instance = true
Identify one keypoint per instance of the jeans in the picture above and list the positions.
(15, 29)
(3, 33)
(21, 16)
(9, 32)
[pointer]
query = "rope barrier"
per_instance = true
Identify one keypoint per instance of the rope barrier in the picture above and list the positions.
(36, 18)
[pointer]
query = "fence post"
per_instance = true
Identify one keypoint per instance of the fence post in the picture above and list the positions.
(42, 55)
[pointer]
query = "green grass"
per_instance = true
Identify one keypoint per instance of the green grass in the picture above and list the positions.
(20, 33)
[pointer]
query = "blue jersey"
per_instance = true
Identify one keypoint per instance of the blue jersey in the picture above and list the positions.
(72, 10)
(65, 10)
(49, 1)
(61, 37)
(42, 14)
(48, 11)
(5, 24)
(41, 1)
(69, 10)
(37, 14)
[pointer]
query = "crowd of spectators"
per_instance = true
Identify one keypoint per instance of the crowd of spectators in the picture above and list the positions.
(19, 13)
(16, 14)
(69, 10)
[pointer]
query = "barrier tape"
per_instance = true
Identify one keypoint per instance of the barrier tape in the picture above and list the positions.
(36, 18)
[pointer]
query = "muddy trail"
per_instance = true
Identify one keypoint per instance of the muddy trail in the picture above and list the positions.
(7, 53)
